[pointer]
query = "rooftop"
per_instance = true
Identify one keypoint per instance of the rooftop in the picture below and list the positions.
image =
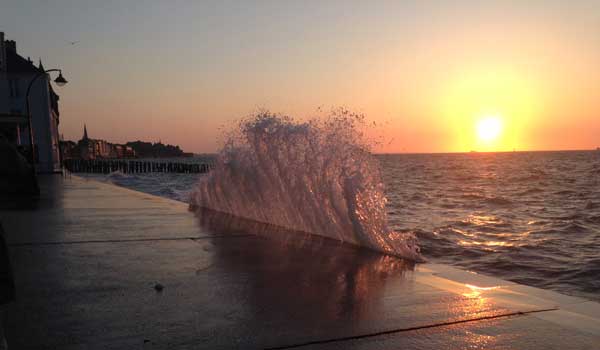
(15, 63)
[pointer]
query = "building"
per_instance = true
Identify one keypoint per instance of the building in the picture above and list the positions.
(92, 148)
(68, 150)
(88, 148)
(16, 72)
(123, 151)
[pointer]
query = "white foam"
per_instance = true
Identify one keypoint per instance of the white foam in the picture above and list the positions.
(318, 177)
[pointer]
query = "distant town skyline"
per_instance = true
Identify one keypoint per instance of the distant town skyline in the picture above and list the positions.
(436, 76)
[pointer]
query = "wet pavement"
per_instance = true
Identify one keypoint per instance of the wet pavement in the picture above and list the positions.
(88, 256)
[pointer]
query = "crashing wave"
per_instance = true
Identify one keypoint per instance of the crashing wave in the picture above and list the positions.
(317, 177)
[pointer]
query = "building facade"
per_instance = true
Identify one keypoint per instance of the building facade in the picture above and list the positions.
(16, 72)
(88, 148)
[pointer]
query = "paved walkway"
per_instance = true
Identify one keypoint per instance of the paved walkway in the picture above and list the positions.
(88, 256)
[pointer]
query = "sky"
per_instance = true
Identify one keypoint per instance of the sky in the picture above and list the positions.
(436, 76)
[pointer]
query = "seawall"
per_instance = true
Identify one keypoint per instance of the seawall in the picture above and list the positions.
(90, 259)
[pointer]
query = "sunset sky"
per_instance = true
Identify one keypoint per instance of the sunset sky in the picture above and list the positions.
(436, 76)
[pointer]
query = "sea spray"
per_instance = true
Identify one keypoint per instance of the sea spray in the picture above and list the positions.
(317, 177)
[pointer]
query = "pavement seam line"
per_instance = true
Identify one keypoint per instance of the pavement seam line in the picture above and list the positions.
(34, 244)
(401, 330)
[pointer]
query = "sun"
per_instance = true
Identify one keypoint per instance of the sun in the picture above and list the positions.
(489, 128)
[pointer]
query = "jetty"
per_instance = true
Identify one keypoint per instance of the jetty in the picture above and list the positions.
(103, 267)
(106, 166)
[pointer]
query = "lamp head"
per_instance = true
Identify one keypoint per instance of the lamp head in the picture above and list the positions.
(60, 81)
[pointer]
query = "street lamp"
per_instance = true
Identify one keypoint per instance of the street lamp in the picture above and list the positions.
(60, 81)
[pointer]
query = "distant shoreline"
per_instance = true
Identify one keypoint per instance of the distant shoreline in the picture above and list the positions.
(491, 152)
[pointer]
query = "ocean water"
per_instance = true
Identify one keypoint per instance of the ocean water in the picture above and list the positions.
(528, 217)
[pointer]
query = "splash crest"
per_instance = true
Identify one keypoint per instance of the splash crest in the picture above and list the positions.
(317, 177)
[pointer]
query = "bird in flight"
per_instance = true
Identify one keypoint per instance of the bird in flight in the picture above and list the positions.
(73, 42)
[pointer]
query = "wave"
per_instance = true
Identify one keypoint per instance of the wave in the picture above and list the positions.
(118, 175)
(499, 201)
(495, 201)
(532, 190)
(531, 176)
(317, 177)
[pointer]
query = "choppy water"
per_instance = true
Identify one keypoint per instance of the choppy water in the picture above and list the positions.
(169, 185)
(529, 217)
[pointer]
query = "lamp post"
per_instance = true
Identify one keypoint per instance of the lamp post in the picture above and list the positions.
(60, 81)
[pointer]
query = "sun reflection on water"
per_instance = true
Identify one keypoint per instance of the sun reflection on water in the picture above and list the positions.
(488, 244)
(476, 292)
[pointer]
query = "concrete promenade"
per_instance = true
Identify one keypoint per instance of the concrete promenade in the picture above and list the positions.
(87, 258)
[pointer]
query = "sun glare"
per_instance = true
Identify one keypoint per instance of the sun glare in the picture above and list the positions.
(489, 128)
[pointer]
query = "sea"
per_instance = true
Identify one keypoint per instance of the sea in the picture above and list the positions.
(527, 217)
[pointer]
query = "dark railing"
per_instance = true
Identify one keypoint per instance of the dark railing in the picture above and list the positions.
(105, 166)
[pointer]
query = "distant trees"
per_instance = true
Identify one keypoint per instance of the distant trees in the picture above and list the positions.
(155, 150)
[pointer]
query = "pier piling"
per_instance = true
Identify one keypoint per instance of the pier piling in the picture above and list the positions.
(106, 166)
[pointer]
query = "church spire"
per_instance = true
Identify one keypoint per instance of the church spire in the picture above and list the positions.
(41, 66)
(85, 135)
